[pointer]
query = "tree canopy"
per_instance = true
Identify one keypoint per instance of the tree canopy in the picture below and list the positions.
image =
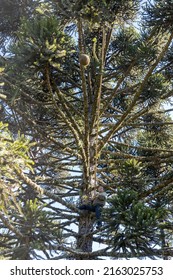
(86, 91)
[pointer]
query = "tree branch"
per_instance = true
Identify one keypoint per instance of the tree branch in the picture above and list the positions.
(136, 96)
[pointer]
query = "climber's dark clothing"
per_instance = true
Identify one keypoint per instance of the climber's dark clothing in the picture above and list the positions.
(93, 208)
(96, 206)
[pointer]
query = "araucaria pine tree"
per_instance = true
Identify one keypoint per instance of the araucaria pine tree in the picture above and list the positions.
(88, 84)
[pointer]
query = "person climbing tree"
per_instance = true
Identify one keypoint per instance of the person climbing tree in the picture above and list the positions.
(98, 200)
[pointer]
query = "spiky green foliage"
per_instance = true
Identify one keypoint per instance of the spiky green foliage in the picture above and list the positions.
(13, 155)
(159, 14)
(25, 219)
(11, 15)
(133, 225)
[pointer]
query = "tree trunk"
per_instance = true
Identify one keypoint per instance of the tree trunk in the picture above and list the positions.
(85, 233)
(91, 97)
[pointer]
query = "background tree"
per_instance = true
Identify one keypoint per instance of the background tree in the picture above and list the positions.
(25, 220)
(100, 124)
